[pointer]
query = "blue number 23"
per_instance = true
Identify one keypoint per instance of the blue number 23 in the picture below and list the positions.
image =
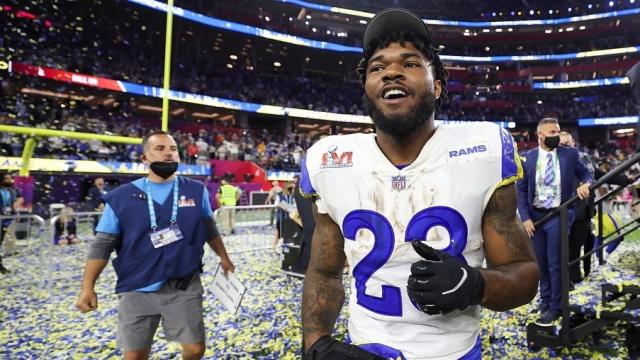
(390, 303)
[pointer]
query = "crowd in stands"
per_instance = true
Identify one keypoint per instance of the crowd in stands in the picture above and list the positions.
(57, 37)
(273, 150)
(64, 44)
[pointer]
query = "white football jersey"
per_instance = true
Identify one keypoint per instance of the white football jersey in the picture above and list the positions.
(440, 197)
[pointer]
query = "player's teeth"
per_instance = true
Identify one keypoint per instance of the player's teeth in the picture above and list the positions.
(393, 92)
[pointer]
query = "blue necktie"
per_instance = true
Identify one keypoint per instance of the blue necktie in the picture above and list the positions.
(548, 179)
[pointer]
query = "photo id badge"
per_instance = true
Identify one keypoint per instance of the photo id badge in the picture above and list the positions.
(165, 236)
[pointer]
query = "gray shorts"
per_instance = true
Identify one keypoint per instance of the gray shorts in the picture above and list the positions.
(139, 314)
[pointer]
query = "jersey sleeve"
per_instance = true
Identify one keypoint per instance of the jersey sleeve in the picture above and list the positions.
(308, 188)
(109, 223)
(511, 163)
(206, 204)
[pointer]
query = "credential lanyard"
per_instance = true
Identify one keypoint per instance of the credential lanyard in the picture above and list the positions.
(152, 210)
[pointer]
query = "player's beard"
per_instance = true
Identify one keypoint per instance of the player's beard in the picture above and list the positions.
(405, 123)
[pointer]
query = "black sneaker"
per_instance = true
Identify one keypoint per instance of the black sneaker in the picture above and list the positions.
(548, 318)
(4, 270)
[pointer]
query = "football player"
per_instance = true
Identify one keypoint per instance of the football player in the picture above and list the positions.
(415, 209)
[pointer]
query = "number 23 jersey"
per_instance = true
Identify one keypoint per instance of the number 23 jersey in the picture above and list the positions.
(440, 198)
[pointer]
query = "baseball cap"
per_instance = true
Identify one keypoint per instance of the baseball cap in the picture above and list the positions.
(394, 20)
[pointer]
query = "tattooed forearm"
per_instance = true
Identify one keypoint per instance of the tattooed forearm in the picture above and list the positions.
(501, 216)
(323, 293)
(512, 277)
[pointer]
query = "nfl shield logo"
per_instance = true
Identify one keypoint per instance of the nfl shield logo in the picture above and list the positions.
(398, 182)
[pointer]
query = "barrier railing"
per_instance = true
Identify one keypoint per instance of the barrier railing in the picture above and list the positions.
(570, 332)
(246, 228)
(84, 224)
(26, 222)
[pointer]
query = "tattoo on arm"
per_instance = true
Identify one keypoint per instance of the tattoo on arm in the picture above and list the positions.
(512, 277)
(500, 215)
(323, 293)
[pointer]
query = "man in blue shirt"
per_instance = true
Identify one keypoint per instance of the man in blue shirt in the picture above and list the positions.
(158, 226)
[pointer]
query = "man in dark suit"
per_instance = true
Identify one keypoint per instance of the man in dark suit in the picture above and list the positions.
(548, 181)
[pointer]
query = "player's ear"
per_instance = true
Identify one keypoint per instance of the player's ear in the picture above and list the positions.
(437, 88)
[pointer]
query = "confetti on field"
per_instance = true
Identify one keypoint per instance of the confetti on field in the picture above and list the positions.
(44, 324)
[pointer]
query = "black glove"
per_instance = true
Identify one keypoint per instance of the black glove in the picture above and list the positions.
(442, 283)
(326, 348)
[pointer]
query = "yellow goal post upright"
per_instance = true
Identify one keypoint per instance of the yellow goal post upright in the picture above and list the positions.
(34, 133)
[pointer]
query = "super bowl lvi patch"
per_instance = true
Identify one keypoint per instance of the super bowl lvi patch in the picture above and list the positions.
(184, 202)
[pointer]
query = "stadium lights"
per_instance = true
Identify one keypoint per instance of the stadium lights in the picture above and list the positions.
(622, 120)
(150, 108)
(625, 131)
(582, 27)
(204, 115)
(548, 31)
(55, 94)
(569, 29)
(157, 5)
(277, 64)
(233, 57)
(282, 37)
(363, 22)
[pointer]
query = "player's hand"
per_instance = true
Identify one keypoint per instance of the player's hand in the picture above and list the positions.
(326, 348)
(528, 225)
(227, 266)
(87, 301)
(442, 283)
(583, 191)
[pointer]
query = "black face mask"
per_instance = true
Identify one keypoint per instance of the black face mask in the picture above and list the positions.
(552, 142)
(164, 169)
